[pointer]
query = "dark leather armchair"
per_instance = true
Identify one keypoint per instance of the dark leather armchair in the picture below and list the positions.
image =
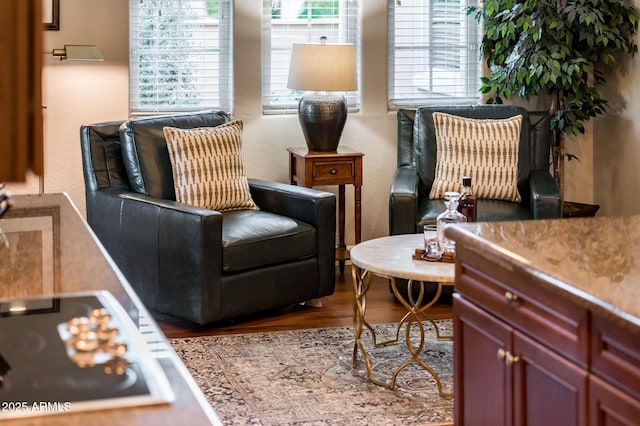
(197, 264)
(409, 205)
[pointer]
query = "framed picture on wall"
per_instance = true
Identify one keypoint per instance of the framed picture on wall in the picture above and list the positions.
(51, 14)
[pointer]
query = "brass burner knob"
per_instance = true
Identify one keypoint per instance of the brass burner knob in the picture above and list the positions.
(106, 333)
(83, 359)
(116, 366)
(78, 325)
(99, 316)
(86, 342)
(117, 349)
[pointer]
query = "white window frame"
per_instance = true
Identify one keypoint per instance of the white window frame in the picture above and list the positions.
(201, 71)
(276, 46)
(431, 32)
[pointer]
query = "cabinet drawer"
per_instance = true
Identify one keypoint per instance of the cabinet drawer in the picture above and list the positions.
(611, 406)
(525, 304)
(334, 171)
(615, 355)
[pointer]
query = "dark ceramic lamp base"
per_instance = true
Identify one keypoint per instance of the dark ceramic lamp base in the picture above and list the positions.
(322, 118)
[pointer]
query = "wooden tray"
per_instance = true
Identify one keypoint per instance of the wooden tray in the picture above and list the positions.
(446, 257)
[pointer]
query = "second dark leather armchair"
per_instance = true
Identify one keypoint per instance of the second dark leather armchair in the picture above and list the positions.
(197, 264)
(409, 205)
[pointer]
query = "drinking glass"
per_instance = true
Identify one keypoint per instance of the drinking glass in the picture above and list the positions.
(432, 249)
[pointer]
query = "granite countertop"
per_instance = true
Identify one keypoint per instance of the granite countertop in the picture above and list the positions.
(52, 251)
(594, 261)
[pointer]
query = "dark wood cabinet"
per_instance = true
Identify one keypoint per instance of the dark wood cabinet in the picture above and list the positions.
(614, 386)
(480, 381)
(548, 389)
(525, 356)
(502, 377)
(610, 406)
(615, 355)
(21, 87)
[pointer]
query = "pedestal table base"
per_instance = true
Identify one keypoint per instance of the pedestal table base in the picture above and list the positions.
(412, 321)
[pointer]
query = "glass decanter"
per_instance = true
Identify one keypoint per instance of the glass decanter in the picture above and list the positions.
(448, 217)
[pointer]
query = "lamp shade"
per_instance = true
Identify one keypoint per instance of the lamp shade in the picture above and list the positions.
(323, 67)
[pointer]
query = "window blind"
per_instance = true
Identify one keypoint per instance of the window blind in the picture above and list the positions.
(302, 21)
(181, 55)
(433, 52)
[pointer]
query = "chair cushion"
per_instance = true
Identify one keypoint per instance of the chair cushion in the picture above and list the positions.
(103, 165)
(485, 149)
(424, 139)
(488, 211)
(208, 168)
(145, 153)
(257, 238)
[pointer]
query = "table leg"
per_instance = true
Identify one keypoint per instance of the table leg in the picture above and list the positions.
(361, 285)
(341, 218)
(428, 318)
(416, 310)
(423, 309)
(358, 210)
(413, 316)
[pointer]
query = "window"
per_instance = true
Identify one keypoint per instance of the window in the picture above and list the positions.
(181, 55)
(433, 52)
(301, 21)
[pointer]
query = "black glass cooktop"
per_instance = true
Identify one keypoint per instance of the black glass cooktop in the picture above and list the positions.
(73, 353)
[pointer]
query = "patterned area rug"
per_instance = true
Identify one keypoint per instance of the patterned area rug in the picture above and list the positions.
(305, 377)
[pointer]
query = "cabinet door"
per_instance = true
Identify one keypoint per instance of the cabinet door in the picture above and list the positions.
(548, 389)
(481, 384)
(610, 406)
(21, 89)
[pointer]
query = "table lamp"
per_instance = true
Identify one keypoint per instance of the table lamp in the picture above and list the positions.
(325, 71)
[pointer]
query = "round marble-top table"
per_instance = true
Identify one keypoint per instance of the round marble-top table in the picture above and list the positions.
(392, 257)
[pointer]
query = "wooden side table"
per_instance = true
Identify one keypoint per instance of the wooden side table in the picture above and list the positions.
(342, 167)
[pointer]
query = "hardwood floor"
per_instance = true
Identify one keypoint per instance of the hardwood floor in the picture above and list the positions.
(336, 311)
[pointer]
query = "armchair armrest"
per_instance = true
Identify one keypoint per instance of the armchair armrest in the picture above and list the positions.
(403, 201)
(545, 196)
(174, 253)
(312, 206)
(169, 252)
(305, 204)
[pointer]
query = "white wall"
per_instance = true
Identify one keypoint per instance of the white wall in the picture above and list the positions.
(76, 93)
(79, 93)
(371, 131)
(616, 154)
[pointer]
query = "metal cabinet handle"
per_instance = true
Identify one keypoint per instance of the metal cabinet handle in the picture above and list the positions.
(333, 171)
(510, 297)
(511, 359)
(507, 357)
(502, 354)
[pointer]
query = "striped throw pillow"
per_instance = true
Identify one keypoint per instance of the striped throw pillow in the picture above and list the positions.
(486, 150)
(208, 168)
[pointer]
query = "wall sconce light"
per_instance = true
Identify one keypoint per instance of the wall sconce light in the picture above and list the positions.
(77, 52)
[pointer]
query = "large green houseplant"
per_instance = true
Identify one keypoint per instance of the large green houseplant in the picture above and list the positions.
(560, 50)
